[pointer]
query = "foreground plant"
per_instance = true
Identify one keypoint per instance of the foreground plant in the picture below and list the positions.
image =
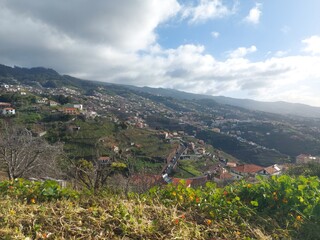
(278, 208)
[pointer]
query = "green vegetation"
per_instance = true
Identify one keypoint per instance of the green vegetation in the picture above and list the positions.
(278, 208)
(32, 192)
(190, 168)
(241, 150)
(309, 169)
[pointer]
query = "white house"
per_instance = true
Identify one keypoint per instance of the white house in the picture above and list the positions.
(8, 111)
(78, 106)
(42, 100)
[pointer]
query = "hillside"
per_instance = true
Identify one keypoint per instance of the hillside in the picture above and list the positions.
(255, 136)
(50, 78)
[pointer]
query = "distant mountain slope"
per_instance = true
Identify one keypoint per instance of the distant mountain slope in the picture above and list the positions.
(50, 78)
(281, 107)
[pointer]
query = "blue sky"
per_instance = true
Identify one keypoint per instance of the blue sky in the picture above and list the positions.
(281, 27)
(263, 50)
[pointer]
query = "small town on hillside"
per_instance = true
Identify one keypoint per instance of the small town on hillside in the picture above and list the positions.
(134, 112)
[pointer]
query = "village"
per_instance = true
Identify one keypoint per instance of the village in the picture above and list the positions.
(133, 111)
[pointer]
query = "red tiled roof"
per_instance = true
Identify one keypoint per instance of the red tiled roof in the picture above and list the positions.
(194, 182)
(147, 179)
(225, 175)
(271, 170)
(104, 158)
(5, 104)
(247, 168)
(70, 109)
(177, 181)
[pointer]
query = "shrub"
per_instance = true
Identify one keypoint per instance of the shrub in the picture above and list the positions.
(35, 191)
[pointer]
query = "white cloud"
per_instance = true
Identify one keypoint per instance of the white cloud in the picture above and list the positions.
(124, 24)
(254, 14)
(215, 34)
(242, 52)
(206, 10)
(312, 45)
(281, 53)
(107, 48)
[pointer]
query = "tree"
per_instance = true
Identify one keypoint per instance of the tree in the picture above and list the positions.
(95, 174)
(23, 155)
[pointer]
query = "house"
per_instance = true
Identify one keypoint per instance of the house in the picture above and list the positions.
(42, 101)
(216, 130)
(53, 103)
(306, 158)
(104, 160)
(4, 105)
(91, 114)
(271, 171)
(225, 176)
(116, 149)
(70, 111)
(8, 111)
(141, 182)
(201, 151)
(77, 106)
(191, 182)
(245, 170)
(231, 164)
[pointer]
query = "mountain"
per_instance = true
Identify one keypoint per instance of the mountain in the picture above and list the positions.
(50, 78)
(280, 107)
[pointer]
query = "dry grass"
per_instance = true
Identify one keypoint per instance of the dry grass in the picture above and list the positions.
(111, 217)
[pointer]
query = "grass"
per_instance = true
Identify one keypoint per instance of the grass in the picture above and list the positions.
(269, 209)
(111, 217)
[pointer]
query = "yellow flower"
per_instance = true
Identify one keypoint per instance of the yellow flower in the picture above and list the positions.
(33, 200)
(174, 193)
(12, 212)
(208, 221)
(191, 198)
(249, 185)
(299, 218)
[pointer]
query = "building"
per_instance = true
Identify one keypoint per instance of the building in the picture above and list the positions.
(271, 171)
(245, 170)
(53, 103)
(191, 182)
(71, 105)
(70, 111)
(78, 106)
(104, 160)
(42, 100)
(306, 158)
(4, 105)
(224, 177)
(8, 111)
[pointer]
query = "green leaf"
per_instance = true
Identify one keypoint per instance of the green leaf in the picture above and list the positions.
(254, 203)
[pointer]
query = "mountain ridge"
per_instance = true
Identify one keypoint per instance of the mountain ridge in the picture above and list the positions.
(48, 77)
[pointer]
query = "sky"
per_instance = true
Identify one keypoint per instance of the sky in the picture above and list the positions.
(264, 50)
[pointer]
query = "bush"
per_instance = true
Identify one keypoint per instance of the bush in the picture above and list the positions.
(287, 203)
(35, 191)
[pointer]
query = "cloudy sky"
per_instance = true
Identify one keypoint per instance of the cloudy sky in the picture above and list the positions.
(265, 50)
